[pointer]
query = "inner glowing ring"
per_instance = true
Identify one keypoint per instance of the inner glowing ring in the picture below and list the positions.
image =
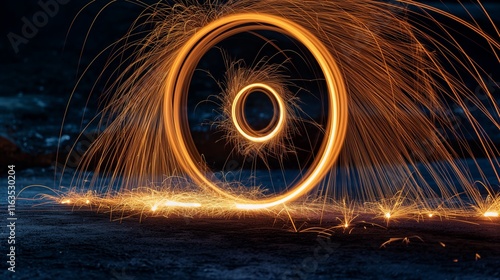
(240, 122)
(176, 92)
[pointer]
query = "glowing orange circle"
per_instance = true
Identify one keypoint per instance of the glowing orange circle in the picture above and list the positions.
(176, 85)
(238, 120)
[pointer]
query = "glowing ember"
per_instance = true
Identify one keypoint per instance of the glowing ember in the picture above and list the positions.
(491, 214)
(182, 204)
(66, 201)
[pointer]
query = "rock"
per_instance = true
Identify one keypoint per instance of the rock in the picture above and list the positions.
(13, 155)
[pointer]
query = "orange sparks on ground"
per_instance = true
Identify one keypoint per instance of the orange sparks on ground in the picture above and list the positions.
(182, 204)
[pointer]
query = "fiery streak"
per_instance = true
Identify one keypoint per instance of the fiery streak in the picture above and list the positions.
(405, 240)
(183, 65)
(66, 201)
(491, 214)
(382, 75)
(182, 204)
(239, 121)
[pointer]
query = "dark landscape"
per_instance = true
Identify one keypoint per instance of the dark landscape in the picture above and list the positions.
(56, 241)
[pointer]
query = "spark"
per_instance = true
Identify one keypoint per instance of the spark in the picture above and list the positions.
(405, 240)
(66, 201)
(171, 203)
(182, 204)
(491, 214)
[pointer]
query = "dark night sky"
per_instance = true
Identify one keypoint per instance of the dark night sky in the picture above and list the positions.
(47, 65)
(50, 45)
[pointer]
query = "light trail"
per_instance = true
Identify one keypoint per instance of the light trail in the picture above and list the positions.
(491, 214)
(389, 113)
(241, 124)
(182, 204)
(176, 90)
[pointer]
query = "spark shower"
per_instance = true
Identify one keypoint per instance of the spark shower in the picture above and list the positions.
(309, 106)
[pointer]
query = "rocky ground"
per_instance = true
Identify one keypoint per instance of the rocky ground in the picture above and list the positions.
(58, 242)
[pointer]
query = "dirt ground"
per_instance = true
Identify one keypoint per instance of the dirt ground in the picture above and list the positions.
(58, 242)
